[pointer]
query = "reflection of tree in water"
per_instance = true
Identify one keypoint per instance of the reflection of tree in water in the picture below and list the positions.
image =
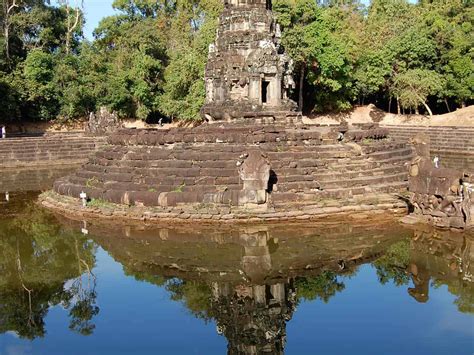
(393, 265)
(323, 286)
(35, 271)
(435, 256)
(465, 300)
(83, 292)
(195, 295)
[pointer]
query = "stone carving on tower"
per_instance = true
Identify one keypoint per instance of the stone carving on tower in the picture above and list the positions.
(248, 74)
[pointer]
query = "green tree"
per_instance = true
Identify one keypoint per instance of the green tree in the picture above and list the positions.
(322, 41)
(133, 51)
(295, 16)
(450, 25)
(40, 93)
(413, 87)
(191, 32)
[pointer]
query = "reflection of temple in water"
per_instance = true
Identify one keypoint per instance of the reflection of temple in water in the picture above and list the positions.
(253, 317)
(248, 280)
(251, 273)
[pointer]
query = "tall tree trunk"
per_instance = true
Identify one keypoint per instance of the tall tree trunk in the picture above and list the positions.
(398, 106)
(6, 33)
(300, 98)
(390, 104)
(71, 26)
(447, 104)
(417, 111)
(68, 32)
(7, 9)
(427, 108)
(424, 104)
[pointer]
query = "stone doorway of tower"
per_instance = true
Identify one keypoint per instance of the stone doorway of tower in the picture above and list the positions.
(264, 97)
(270, 91)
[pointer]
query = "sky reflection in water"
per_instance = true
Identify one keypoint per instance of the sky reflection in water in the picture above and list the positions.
(300, 290)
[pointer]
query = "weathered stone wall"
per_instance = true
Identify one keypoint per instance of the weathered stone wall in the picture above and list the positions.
(453, 145)
(440, 196)
(170, 168)
(53, 149)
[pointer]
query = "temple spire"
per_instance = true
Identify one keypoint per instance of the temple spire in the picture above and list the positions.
(248, 74)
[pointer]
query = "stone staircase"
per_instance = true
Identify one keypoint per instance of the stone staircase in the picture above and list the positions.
(141, 169)
(54, 149)
(453, 145)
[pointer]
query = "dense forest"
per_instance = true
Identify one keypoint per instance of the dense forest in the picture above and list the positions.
(148, 60)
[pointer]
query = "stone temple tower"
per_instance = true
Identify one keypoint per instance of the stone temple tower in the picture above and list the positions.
(248, 74)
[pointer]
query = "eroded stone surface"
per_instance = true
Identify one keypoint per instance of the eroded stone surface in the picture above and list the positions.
(248, 74)
(229, 165)
(102, 123)
(255, 175)
(440, 196)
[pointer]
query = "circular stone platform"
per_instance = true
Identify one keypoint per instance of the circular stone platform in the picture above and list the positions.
(238, 171)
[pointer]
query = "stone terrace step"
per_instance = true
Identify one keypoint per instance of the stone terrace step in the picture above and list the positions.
(448, 135)
(454, 145)
(169, 167)
(47, 150)
(282, 198)
(190, 169)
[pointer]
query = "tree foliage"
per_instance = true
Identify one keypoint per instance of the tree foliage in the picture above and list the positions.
(148, 60)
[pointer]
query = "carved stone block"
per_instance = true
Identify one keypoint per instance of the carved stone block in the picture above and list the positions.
(255, 174)
(439, 196)
(248, 76)
(103, 122)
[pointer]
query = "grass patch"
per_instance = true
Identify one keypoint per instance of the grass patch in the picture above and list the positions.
(92, 182)
(180, 188)
(100, 203)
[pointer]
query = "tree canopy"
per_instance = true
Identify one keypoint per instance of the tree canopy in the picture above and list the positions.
(148, 60)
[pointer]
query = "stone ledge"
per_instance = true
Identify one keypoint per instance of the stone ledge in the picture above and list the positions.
(382, 205)
(48, 151)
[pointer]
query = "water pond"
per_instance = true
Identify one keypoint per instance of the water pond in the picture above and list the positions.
(69, 287)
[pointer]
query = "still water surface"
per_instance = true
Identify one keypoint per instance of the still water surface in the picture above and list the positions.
(333, 289)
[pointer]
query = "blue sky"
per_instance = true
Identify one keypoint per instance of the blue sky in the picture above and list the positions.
(96, 10)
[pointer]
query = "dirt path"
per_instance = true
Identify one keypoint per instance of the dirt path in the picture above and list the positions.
(370, 113)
